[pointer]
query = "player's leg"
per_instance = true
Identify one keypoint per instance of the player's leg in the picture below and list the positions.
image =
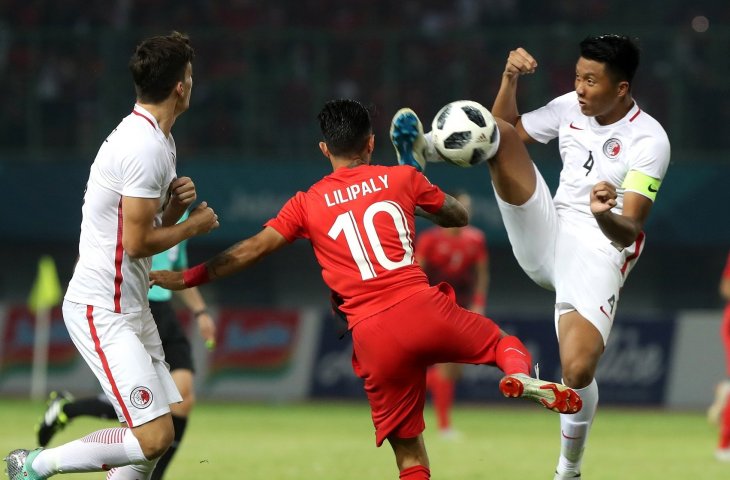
(411, 457)
(130, 373)
(178, 355)
(441, 383)
(62, 408)
(588, 280)
(581, 346)
(513, 173)
(395, 383)
(180, 412)
(722, 396)
(722, 452)
(511, 168)
(455, 334)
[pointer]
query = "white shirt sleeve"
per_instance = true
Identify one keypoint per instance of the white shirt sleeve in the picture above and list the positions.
(143, 173)
(544, 123)
(650, 154)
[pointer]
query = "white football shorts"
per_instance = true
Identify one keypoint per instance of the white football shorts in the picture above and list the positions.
(570, 256)
(125, 353)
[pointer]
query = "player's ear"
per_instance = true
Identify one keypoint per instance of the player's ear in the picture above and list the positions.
(623, 88)
(324, 149)
(371, 143)
(180, 89)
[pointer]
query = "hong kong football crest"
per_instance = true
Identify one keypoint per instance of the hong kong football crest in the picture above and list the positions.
(612, 148)
(141, 397)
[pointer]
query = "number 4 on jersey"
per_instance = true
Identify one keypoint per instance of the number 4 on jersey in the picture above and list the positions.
(589, 163)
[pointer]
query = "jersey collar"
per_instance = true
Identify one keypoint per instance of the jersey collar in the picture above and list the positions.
(143, 113)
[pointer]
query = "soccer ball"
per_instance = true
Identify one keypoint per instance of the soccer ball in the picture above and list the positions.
(464, 133)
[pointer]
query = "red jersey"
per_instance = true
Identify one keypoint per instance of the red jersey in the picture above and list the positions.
(452, 258)
(361, 223)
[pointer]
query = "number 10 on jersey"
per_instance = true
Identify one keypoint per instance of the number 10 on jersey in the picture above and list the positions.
(352, 228)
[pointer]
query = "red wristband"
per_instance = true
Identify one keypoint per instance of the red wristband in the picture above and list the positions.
(479, 300)
(197, 275)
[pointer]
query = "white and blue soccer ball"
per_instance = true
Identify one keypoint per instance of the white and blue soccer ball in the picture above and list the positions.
(464, 133)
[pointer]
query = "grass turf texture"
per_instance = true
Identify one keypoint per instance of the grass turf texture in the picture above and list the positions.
(336, 441)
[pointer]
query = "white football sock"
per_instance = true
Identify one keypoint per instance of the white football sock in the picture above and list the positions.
(430, 152)
(574, 429)
(98, 451)
(132, 472)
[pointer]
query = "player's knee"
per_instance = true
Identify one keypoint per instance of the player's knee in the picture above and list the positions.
(155, 443)
(577, 373)
(507, 135)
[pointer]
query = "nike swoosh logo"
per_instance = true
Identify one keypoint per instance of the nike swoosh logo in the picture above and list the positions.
(513, 348)
(604, 312)
(574, 127)
(569, 438)
(652, 189)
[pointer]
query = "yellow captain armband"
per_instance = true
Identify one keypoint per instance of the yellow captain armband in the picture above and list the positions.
(642, 183)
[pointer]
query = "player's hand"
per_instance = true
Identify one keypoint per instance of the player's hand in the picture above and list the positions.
(519, 62)
(167, 279)
(603, 198)
(203, 219)
(206, 327)
(183, 191)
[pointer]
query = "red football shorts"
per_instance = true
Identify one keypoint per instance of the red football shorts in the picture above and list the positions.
(392, 349)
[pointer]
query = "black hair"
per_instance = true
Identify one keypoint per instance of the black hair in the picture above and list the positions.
(158, 63)
(345, 126)
(619, 53)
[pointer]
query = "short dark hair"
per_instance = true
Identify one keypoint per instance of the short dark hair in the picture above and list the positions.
(345, 126)
(158, 63)
(619, 53)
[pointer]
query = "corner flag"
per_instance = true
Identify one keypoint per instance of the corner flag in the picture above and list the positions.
(46, 291)
(45, 294)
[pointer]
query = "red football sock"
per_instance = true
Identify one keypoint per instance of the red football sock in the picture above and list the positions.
(419, 472)
(725, 427)
(442, 394)
(513, 356)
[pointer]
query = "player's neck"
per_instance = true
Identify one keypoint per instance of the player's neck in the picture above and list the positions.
(616, 113)
(163, 112)
(348, 162)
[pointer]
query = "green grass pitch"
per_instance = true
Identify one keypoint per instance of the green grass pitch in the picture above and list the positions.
(335, 441)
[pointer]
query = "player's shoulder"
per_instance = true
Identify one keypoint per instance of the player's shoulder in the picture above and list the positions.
(648, 128)
(136, 136)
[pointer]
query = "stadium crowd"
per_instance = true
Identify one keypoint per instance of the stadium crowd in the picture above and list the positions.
(263, 67)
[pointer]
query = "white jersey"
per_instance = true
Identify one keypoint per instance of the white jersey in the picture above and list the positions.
(592, 152)
(136, 160)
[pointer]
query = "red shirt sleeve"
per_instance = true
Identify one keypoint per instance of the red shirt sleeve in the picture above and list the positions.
(428, 196)
(291, 221)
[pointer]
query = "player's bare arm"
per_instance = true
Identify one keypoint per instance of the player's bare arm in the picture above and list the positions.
(725, 289)
(625, 228)
(451, 214)
(519, 62)
(140, 238)
(196, 304)
(236, 258)
(182, 195)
